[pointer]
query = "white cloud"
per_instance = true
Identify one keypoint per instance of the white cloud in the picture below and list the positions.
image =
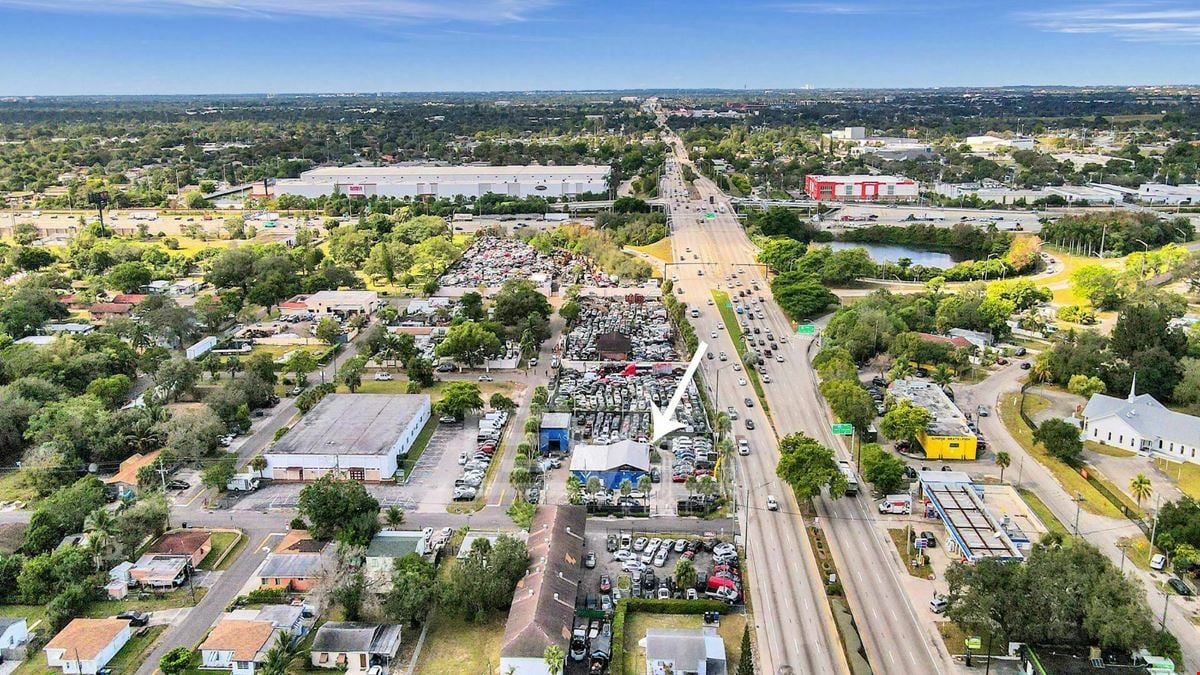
(1168, 22)
(480, 11)
(844, 8)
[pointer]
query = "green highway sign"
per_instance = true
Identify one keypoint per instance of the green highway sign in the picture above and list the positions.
(843, 429)
(806, 329)
(974, 642)
(710, 215)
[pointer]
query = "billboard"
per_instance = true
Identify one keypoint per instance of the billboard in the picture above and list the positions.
(354, 189)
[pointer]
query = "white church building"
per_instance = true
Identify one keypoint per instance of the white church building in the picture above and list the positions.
(1141, 424)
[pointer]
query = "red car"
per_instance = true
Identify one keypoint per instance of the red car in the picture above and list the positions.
(605, 584)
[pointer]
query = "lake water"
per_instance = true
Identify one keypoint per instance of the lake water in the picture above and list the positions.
(890, 253)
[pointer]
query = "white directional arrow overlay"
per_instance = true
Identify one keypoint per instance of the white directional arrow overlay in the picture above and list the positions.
(664, 422)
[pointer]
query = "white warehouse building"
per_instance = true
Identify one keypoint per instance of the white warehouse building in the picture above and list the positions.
(448, 181)
(360, 435)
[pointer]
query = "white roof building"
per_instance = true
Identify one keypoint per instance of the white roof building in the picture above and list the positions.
(448, 181)
(1158, 193)
(1142, 424)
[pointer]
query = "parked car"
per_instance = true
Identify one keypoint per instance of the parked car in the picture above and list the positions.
(930, 540)
(589, 560)
(1158, 561)
(383, 377)
(1179, 586)
(176, 484)
(938, 604)
(486, 378)
(605, 584)
(136, 619)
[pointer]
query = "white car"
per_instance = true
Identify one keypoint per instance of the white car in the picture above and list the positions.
(741, 381)
(633, 567)
(624, 555)
(1158, 561)
(737, 367)
(383, 377)
(766, 379)
(779, 358)
(714, 335)
(486, 378)
(660, 558)
(772, 504)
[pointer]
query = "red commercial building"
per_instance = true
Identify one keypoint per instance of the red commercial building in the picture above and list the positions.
(863, 188)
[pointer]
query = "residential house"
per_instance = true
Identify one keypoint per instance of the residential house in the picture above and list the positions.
(160, 571)
(87, 645)
(543, 607)
(191, 544)
(237, 645)
(103, 311)
(119, 581)
(294, 563)
(14, 632)
(129, 298)
(355, 647)
(613, 346)
(684, 651)
(125, 480)
(387, 547)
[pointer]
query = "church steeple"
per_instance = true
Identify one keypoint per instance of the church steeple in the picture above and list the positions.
(1133, 388)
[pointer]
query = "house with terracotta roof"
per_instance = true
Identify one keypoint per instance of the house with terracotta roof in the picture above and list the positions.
(125, 480)
(543, 607)
(87, 645)
(294, 563)
(191, 544)
(129, 298)
(237, 645)
(955, 341)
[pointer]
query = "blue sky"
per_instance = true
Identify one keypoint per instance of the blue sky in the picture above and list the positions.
(279, 46)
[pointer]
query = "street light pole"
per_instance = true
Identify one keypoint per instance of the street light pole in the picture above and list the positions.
(1078, 503)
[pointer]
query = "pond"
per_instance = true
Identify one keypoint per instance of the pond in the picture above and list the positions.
(890, 253)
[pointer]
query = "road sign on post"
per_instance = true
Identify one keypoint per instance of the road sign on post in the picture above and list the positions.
(974, 642)
(843, 429)
(806, 329)
(920, 543)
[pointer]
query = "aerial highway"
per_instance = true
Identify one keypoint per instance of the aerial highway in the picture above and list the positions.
(792, 615)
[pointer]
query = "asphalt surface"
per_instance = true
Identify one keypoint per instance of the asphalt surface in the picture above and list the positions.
(793, 621)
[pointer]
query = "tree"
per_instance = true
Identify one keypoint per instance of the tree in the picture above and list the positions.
(849, 402)
(518, 300)
(1085, 385)
(801, 296)
(685, 574)
(258, 463)
(459, 398)
(942, 375)
(101, 528)
(175, 661)
(62, 513)
(351, 372)
(499, 401)
(470, 306)
(328, 331)
(112, 390)
(1140, 488)
(301, 363)
(555, 659)
(146, 518)
(904, 421)
(217, 474)
(469, 343)
(1061, 439)
(808, 466)
(394, 517)
(413, 590)
(1100, 285)
(176, 377)
(350, 595)
(1003, 460)
(192, 434)
(129, 277)
(334, 507)
(595, 485)
(884, 470)
(420, 371)
(746, 657)
(282, 655)
(570, 311)
(485, 579)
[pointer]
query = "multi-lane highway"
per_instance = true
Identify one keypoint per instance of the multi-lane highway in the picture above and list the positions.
(792, 616)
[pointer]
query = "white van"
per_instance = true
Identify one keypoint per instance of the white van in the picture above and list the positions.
(938, 604)
(772, 505)
(896, 504)
(1158, 561)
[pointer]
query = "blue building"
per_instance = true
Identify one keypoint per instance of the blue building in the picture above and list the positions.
(555, 433)
(612, 464)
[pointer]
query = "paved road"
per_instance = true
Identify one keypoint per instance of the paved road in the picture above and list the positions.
(1103, 532)
(795, 629)
(793, 621)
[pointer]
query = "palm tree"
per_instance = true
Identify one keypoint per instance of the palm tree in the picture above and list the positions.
(281, 656)
(690, 484)
(900, 370)
(1040, 372)
(394, 517)
(942, 374)
(1003, 460)
(626, 487)
(259, 464)
(594, 484)
(643, 485)
(555, 659)
(234, 365)
(724, 424)
(101, 529)
(1140, 486)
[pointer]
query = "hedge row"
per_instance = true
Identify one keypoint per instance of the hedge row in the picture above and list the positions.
(650, 606)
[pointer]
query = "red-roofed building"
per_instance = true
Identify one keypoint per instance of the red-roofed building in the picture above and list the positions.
(129, 298)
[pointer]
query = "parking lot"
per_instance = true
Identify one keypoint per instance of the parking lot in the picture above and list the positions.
(428, 488)
(656, 575)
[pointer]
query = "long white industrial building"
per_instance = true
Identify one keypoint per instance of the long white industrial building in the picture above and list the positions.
(448, 181)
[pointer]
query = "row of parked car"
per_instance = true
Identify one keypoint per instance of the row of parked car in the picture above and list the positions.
(694, 456)
(475, 463)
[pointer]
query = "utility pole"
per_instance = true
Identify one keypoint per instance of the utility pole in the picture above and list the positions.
(1166, 602)
(1153, 528)
(1079, 500)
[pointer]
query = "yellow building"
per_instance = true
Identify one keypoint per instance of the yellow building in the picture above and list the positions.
(947, 435)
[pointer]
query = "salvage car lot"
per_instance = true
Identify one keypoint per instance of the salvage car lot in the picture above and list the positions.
(717, 565)
(640, 320)
(613, 403)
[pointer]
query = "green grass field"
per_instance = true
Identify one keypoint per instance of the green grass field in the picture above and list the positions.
(730, 317)
(221, 541)
(1042, 511)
